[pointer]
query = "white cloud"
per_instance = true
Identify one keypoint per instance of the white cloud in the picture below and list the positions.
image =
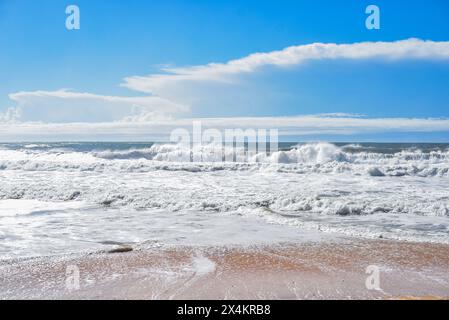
(161, 129)
(68, 106)
(10, 115)
(291, 56)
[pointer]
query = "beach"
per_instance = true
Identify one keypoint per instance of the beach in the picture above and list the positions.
(282, 271)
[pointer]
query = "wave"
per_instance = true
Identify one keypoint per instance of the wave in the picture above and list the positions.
(125, 155)
(306, 153)
(290, 180)
(237, 197)
(302, 159)
(317, 185)
(309, 153)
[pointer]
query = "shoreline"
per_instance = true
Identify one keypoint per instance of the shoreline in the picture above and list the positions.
(324, 270)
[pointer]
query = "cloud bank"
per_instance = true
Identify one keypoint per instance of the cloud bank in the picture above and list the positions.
(304, 126)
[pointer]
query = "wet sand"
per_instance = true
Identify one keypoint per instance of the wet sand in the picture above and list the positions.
(282, 271)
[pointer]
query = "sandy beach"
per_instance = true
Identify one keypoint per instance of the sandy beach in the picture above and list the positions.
(282, 271)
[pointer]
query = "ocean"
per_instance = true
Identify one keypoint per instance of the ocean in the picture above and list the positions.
(62, 198)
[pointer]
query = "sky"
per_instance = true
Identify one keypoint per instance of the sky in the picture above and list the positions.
(137, 69)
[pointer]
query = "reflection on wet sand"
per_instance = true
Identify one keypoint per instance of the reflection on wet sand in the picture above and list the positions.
(282, 271)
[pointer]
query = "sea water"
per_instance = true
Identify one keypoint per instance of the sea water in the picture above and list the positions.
(58, 198)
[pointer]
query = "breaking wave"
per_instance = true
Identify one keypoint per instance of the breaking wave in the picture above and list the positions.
(305, 178)
(301, 159)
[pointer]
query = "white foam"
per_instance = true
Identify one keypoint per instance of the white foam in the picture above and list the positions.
(203, 265)
(10, 208)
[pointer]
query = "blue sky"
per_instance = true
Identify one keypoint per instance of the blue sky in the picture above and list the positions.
(123, 39)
